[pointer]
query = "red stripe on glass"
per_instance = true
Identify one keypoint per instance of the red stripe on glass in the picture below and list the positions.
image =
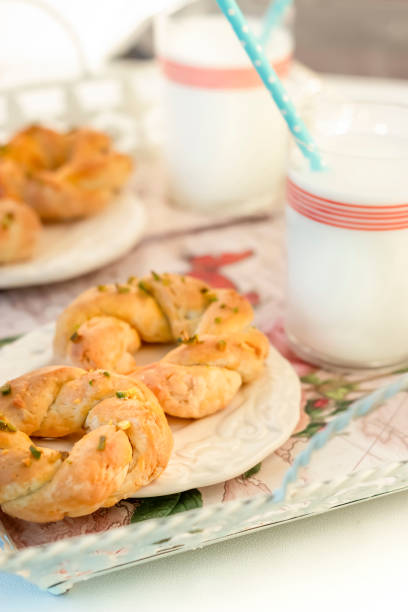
(372, 212)
(365, 207)
(339, 214)
(315, 205)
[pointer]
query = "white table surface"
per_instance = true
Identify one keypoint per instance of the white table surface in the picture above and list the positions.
(350, 559)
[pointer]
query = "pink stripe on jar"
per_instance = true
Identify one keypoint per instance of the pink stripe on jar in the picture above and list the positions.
(219, 78)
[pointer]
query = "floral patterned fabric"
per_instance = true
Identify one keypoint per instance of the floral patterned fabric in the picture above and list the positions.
(246, 253)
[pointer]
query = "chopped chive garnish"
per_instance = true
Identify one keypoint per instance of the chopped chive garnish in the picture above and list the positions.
(212, 298)
(6, 389)
(217, 320)
(193, 340)
(91, 382)
(101, 443)
(120, 394)
(221, 345)
(222, 305)
(122, 288)
(106, 374)
(142, 287)
(156, 276)
(36, 453)
(7, 220)
(75, 337)
(5, 426)
(131, 279)
(236, 309)
(102, 287)
(204, 290)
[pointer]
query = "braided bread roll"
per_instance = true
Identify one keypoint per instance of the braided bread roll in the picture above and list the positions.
(202, 377)
(105, 326)
(54, 176)
(19, 231)
(127, 444)
(35, 148)
(20, 226)
(11, 179)
(67, 175)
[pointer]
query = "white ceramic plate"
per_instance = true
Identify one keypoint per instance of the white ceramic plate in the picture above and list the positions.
(260, 419)
(66, 250)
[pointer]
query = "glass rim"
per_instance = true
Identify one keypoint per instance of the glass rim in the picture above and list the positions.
(180, 5)
(359, 103)
(171, 14)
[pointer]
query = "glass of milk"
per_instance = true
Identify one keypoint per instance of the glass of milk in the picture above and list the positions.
(347, 239)
(225, 143)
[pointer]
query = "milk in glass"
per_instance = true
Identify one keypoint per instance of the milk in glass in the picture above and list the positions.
(347, 240)
(226, 143)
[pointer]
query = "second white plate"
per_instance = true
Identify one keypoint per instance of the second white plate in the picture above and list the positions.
(67, 250)
(260, 419)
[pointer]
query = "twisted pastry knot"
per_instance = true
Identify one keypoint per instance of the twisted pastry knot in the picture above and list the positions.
(126, 445)
(19, 230)
(62, 175)
(19, 223)
(219, 350)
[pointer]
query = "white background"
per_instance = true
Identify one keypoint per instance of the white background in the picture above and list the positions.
(352, 559)
(35, 46)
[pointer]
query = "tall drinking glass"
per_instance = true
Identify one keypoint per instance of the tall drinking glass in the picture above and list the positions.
(347, 239)
(226, 142)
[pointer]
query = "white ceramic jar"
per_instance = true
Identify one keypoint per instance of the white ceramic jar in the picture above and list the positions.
(226, 143)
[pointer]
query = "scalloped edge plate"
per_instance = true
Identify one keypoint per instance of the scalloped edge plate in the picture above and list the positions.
(222, 446)
(67, 250)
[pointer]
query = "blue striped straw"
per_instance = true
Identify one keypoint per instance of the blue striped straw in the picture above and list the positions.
(273, 18)
(271, 81)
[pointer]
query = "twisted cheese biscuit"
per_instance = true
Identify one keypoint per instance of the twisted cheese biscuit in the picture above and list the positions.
(202, 376)
(105, 326)
(56, 177)
(19, 231)
(11, 179)
(20, 226)
(67, 175)
(35, 148)
(127, 444)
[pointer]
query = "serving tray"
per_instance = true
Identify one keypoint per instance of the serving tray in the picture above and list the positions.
(109, 542)
(365, 458)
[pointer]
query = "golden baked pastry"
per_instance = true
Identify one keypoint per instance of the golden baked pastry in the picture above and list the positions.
(60, 176)
(20, 228)
(127, 442)
(203, 375)
(67, 176)
(11, 179)
(105, 326)
(35, 148)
